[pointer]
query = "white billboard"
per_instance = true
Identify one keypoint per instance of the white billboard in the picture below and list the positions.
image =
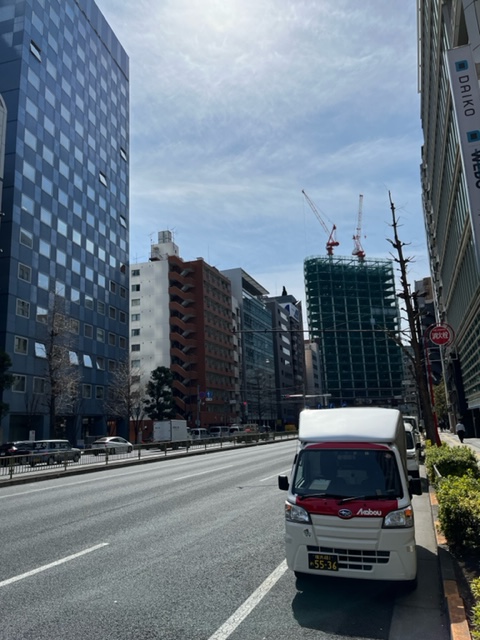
(466, 99)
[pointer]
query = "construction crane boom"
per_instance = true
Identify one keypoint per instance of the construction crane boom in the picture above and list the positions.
(357, 248)
(332, 241)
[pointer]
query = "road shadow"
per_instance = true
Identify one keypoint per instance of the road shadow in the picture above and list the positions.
(345, 607)
(363, 608)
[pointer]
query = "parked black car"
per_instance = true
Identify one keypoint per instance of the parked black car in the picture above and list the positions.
(17, 452)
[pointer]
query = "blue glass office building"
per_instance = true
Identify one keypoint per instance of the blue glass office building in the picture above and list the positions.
(64, 232)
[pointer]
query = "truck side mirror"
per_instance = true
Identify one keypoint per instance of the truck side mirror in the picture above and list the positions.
(283, 483)
(415, 486)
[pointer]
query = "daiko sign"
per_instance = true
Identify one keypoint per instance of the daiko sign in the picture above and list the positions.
(441, 334)
(466, 100)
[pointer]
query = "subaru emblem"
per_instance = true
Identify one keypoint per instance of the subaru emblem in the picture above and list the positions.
(345, 513)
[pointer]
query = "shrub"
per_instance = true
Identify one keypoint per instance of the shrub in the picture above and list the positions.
(459, 510)
(450, 461)
(475, 586)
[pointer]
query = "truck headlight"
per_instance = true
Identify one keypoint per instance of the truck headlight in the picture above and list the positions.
(400, 518)
(294, 513)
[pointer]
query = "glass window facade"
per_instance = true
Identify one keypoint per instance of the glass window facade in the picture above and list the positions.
(64, 79)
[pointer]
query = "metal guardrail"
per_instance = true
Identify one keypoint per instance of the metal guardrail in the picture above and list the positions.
(24, 464)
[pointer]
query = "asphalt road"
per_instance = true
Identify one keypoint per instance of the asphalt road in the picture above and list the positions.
(187, 549)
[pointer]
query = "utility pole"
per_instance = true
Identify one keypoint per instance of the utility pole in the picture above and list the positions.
(411, 309)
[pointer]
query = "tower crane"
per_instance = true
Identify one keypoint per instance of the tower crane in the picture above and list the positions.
(332, 241)
(358, 249)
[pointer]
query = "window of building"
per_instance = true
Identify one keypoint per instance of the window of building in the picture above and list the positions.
(26, 238)
(113, 287)
(44, 248)
(135, 287)
(35, 50)
(135, 332)
(101, 307)
(60, 288)
(40, 350)
(122, 316)
(100, 363)
(135, 364)
(43, 281)
(103, 178)
(74, 326)
(123, 293)
(88, 302)
(135, 347)
(73, 357)
(61, 258)
(135, 272)
(20, 345)
(100, 335)
(87, 391)
(135, 317)
(111, 365)
(88, 330)
(112, 339)
(87, 361)
(19, 383)
(38, 385)
(123, 154)
(122, 342)
(24, 272)
(112, 313)
(41, 315)
(23, 308)
(62, 227)
(74, 295)
(135, 302)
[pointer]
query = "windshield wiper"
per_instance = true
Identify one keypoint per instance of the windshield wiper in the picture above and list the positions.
(320, 495)
(372, 496)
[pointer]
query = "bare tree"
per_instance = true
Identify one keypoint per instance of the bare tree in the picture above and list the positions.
(415, 353)
(62, 374)
(6, 380)
(125, 395)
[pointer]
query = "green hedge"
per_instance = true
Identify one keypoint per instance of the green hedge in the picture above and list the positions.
(459, 510)
(450, 461)
(475, 585)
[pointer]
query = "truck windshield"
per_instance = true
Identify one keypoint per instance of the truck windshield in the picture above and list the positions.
(345, 473)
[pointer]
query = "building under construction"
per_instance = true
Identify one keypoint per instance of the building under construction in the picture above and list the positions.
(352, 311)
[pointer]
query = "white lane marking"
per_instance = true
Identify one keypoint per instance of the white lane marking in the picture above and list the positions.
(250, 603)
(277, 474)
(4, 583)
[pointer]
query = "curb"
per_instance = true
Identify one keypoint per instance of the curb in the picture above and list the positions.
(459, 629)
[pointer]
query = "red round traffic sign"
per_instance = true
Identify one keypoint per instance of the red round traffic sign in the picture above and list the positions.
(441, 334)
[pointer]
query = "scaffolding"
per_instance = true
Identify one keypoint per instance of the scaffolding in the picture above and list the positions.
(352, 313)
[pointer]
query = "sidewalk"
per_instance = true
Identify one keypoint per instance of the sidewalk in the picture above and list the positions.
(459, 629)
(452, 440)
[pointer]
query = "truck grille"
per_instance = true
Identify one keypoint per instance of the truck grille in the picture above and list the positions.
(358, 559)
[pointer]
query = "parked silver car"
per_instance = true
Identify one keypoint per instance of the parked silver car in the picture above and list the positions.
(112, 445)
(53, 451)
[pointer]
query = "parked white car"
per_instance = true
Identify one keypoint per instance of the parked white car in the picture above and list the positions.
(112, 445)
(413, 452)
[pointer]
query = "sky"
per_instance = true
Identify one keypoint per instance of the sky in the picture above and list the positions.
(236, 106)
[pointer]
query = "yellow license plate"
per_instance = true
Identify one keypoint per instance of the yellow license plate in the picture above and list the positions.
(322, 562)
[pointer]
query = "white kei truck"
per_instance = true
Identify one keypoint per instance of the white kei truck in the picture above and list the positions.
(348, 512)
